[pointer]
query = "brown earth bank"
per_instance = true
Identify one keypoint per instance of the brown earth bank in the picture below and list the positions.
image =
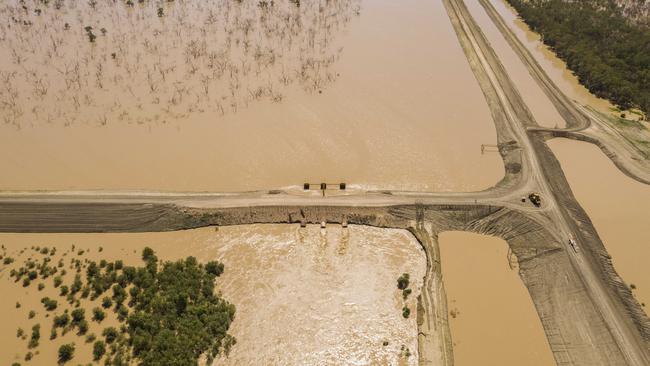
(616, 204)
(542, 256)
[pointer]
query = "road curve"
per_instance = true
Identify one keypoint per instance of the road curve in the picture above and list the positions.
(582, 124)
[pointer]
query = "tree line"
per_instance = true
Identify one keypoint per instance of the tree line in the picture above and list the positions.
(609, 54)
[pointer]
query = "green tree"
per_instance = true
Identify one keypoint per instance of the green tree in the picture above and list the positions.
(66, 353)
(403, 281)
(98, 314)
(36, 336)
(110, 334)
(99, 349)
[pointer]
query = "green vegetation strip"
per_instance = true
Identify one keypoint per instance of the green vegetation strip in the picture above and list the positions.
(608, 52)
(168, 311)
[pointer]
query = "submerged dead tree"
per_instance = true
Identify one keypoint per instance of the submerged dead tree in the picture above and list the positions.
(156, 63)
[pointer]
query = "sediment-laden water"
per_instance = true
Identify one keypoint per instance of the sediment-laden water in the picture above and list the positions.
(225, 97)
(492, 317)
(304, 296)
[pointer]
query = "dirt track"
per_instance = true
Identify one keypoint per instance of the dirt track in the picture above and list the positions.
(589, 317)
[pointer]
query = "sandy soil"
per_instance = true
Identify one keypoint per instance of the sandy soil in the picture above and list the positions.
(319, 296)
(492, 318)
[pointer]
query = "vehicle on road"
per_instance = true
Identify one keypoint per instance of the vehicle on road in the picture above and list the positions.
(573, 244)
(535, 199)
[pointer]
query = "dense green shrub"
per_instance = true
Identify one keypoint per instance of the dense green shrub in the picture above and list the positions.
(61, 320)
(98, 314)
(49, 304)
(99, 349)
(110, 334)
(173, 315)
(82, 326)
(36, 336)
(78, 315)
(403, 281)
(406, 292)
(66, 353)
(178, 316)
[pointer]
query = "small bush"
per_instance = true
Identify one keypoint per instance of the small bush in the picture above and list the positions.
(62, 320)
(406, 292)
(99, 349)
(49, 303)
(83, 327)
(406, 312)
(66, 352)
(36, 336)
(214, 268)
(110, 334)
(403, 281)
(78, 315)
(98, 314)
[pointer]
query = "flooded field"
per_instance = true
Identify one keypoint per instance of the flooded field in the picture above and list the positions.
(228, 96)
(541, 107)
(303, 296)
(617, 206)
(492, 318)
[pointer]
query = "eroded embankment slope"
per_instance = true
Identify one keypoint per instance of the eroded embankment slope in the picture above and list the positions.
(586, 233)
(544, 264)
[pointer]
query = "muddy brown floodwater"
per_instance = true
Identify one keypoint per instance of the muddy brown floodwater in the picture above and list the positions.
(492, 317)
(618, 207)
(303, 296)
(374, 93)
(540, 106)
